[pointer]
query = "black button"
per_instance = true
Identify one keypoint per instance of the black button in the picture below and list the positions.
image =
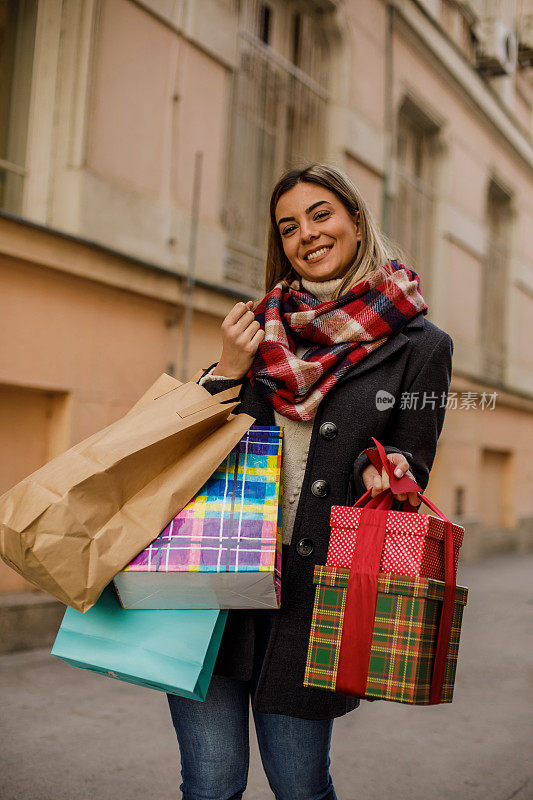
(328, 430)
(305, 547)
(320, 488)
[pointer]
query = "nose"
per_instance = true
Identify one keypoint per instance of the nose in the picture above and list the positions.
(308, 231)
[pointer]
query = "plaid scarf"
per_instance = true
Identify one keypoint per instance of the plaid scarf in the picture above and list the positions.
(339, 333)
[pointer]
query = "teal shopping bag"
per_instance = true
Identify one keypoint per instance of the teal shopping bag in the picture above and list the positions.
(172, 651)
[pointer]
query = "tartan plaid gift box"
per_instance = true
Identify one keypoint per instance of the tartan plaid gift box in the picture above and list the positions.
(414, 542)
(403, 639)
(223, 550)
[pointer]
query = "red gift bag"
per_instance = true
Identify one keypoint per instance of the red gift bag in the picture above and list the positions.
(360, 607)
(414, 543)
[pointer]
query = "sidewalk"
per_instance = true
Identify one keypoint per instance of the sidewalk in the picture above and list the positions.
(69, 735)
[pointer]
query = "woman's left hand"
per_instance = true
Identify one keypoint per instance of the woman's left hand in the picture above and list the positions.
(379, 483)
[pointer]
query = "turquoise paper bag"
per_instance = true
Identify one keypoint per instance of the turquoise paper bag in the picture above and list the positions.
(172, 651)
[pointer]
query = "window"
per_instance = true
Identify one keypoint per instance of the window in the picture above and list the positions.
(17, 40)
(264, 23)
(495, 280)
(413, 223)
(497, 489)
(277, 121)
(459, 504)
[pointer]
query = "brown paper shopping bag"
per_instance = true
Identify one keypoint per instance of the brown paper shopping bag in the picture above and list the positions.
(73, 524)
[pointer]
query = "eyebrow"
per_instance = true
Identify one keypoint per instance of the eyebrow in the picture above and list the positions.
(307, 211)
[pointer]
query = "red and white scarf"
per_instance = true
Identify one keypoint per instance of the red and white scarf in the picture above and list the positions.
(339, 333)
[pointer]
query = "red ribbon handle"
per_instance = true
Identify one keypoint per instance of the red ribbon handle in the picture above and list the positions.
(446, 618)
(360, 604)
(383, 500)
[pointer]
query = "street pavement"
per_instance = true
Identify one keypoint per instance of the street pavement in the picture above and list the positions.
(67, 734)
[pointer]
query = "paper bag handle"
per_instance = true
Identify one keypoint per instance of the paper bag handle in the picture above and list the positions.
(231, 394)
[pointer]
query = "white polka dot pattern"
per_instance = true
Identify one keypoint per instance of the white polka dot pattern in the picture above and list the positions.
(413, 542)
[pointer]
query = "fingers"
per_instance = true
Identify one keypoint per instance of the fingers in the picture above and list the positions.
(238, 310)
(376, 486)
(238, 319)
(245, 339)
(256, 340)
(413, 497)
(368, 475)
(240, 325)
(372, 480)
(250, 343)
(400, 463)
(379, 483)
(401, 468)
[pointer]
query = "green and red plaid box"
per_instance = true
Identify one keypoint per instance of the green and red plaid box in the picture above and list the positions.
(404, 637)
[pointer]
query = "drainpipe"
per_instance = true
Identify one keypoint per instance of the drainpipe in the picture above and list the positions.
(191, 267)
(386, 220)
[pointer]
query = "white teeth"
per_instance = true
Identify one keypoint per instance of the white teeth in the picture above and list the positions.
(317, 253)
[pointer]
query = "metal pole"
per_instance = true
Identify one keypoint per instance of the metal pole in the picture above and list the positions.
(191, 264)
(386, 214)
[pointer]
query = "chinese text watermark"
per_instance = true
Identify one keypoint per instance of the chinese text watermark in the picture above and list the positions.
(420, 401)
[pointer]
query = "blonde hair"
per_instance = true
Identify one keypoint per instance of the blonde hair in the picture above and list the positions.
(374, 250)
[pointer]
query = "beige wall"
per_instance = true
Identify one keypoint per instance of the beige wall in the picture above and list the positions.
(154, 98)
(94, 341)
(467, 434)
(130, 137)
(75, 354)
(101, 345)
(367, 21)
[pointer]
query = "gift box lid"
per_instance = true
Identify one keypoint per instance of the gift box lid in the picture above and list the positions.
(409, 523)
(390, 583)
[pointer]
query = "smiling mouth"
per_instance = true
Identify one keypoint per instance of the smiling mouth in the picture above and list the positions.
(318, 254)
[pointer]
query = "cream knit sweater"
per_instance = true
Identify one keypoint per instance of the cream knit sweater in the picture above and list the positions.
(296, 434)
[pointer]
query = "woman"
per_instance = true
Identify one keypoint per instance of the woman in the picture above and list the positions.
(336, 353)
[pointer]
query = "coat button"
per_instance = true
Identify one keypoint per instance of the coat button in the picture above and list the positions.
(305, 547)
(320, 488)
(328, 430)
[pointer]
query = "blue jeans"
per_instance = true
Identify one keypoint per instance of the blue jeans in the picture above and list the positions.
(213, 738)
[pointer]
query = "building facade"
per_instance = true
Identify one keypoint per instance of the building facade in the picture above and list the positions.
(113, 111)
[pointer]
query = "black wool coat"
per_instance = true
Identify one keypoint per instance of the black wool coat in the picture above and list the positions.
(415, 361)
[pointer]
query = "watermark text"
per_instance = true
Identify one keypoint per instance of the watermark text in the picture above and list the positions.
(422, 401)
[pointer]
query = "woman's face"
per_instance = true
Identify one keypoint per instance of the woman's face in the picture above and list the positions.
(319, 236)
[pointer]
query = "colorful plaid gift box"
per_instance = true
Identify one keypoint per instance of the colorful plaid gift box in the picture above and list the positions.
(413, 542)
(403, 639)
(223, 550)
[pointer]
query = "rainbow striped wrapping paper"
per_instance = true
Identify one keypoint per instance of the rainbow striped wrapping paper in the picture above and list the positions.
(223, 550)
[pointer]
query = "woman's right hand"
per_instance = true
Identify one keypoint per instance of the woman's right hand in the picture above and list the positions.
(241, 336)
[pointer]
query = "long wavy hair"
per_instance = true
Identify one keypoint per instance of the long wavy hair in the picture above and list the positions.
(374, 249)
